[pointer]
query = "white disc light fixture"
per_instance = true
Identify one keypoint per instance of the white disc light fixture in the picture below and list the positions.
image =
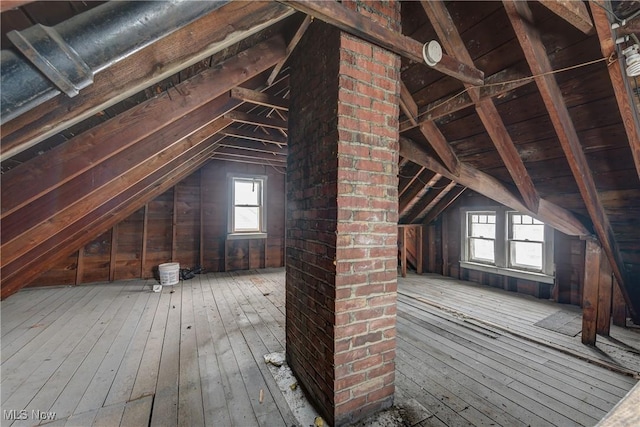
(633, 60)
(432, 52)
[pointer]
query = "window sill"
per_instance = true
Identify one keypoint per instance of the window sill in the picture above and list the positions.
(241, 236)
(520, 274)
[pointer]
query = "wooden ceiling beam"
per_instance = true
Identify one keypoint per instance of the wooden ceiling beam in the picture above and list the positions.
(522, 20)
(24, 183)
(247, 154)
(290, 48)
(255, 136)
(440, 145)
(514, 77)
(352, 22)
(226, 158)
(549, 213)
(254, 119)
(13, 4)
(259, 98)
(408, 104)
(405, 183)
(617, 74)
(436, 201)
(443, 204)
(426, 200)
(574, 12)
(422, 182)
(182, 48)
(253, 146)
(450, 38)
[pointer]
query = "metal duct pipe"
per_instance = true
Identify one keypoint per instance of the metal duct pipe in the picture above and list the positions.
(65, 57)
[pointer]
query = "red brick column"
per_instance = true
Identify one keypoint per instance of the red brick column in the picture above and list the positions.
(342, 207)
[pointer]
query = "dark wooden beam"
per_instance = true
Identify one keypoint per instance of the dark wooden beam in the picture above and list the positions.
(426, 200)
(251, 161)
(590, 292)
(408, 104)
(246, 154)
(619, 306)
(439, 143)
(23, 184)
(290, 48)
(12, 4)
(605, 296)
(254, 119)
(513, 77)
(549, 213)
(259, 98)
(425, 180)
(450, 38)
(184, 47)
(406, 182)
(255, 136)
(522, 20)
(249, 145)
(360, 26)
(437, 206)
(574, 12)
(617, 74)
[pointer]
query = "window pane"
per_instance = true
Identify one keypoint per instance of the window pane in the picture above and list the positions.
(246, 192)
(528, 232)
(246, 219)
(481, 250)
(526, 254)
(483, 230)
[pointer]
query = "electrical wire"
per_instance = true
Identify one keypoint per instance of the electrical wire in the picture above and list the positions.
(610, 60)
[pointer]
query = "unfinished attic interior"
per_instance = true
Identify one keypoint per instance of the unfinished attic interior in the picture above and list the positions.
(431, 209)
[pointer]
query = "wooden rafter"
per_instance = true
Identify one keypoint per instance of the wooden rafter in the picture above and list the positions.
(521, 19)
(405, 183)
(253, 146)
(259, 98)
(549, 213)
(443, 204)
(441, 146)
(12, 4)
(618, 80)
(43, 174)
(450, 38)
(513, 77)
(408, 104)
(574, 12)
(290, 48)
(432, 199)
(255, 136)
(150, 65)
(360, 26)
(425, 180)
(250, 154)
(254, 119)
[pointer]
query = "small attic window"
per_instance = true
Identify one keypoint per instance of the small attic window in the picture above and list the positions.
(247, 209)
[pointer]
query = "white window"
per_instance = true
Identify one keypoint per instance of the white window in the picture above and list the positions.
(526, 242)
(247, 210)
(505, 242)
(482, 236)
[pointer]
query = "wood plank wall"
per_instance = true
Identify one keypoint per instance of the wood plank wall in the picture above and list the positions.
(187, 224)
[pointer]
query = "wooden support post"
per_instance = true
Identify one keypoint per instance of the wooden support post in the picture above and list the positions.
(590, 291)
(619, 306)
(174, 226)
(143, 255)
(432, 248)
(605, 294)
(419, 244)
(201, 221)
(445, 244)
(114, 253)
(80, 266)
(403, 252)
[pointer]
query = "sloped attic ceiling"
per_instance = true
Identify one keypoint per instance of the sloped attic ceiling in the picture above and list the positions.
(563, 146)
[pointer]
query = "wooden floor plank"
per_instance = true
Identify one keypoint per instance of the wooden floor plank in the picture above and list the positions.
(165, 404)
(213, 388)
(109, 416)
(190, 406)
(58, 358)
(137, 412)
(37, 305)
(123, 383)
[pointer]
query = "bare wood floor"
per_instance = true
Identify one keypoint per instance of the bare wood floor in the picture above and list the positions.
(118, 354)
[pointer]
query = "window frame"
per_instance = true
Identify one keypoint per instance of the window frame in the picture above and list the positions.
(470, 238)
(502, 251)
(261, 231)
